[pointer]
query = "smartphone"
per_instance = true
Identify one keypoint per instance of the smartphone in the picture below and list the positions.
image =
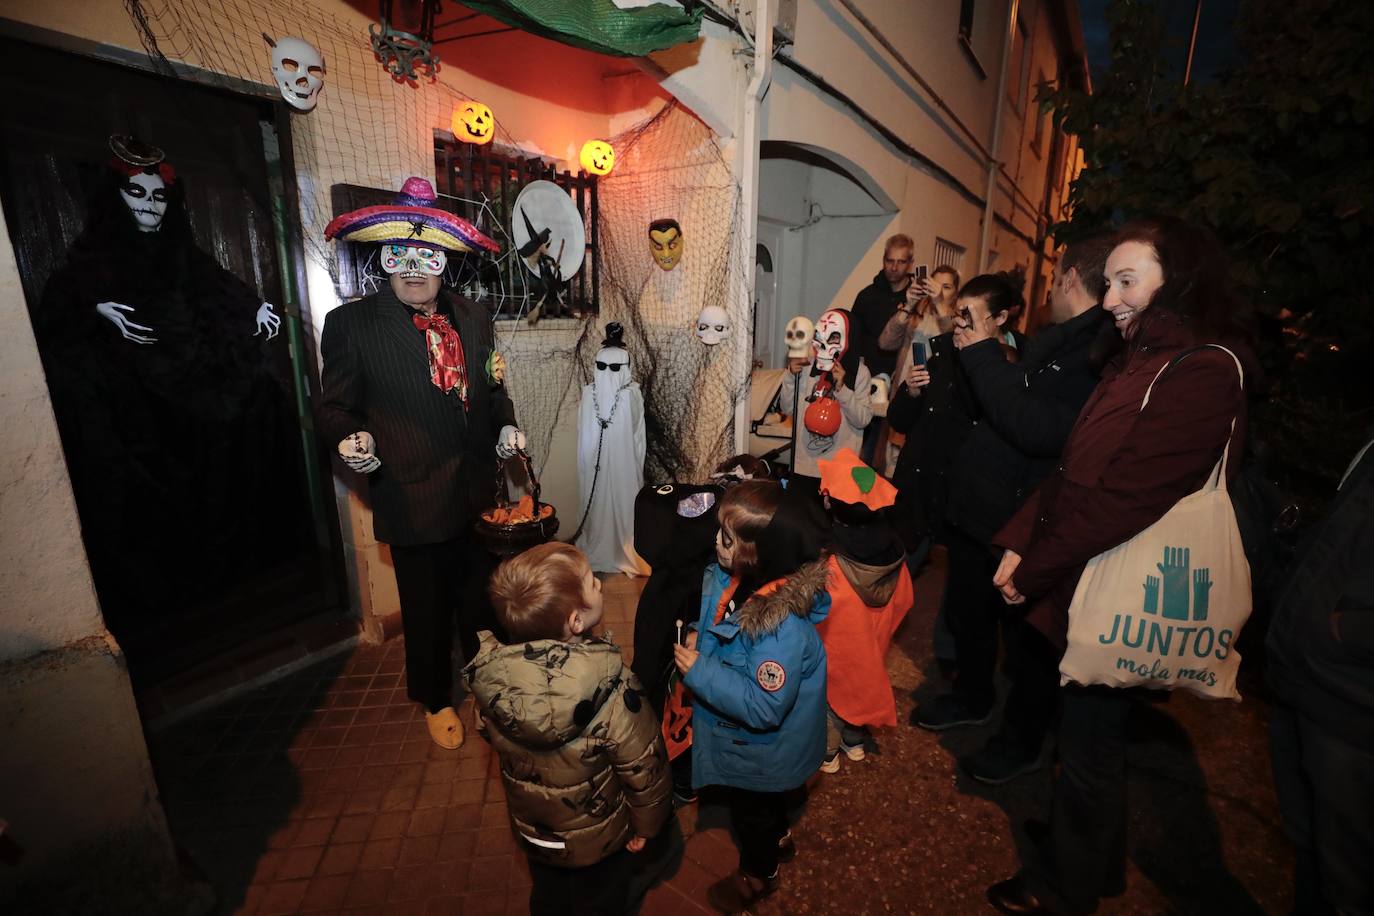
(918, 353)
(964, 314)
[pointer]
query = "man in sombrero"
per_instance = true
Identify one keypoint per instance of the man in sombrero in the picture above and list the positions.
(407, 399)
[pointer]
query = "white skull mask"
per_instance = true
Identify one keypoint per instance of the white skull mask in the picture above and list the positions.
(146, 197)
(831, 338)
(798, 337)
(409, 259)
(713, 325)
(298, 70)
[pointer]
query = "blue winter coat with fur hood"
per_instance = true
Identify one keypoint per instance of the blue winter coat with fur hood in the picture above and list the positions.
(758, 687)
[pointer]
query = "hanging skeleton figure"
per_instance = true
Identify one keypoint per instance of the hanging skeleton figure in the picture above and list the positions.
(177, 429)
(610, 459)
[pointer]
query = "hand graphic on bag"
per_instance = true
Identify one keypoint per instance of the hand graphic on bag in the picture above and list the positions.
(1151, 605)
(1202, 589)
(1174, 569)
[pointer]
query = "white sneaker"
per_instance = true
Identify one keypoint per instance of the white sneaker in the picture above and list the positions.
(855, 753)
(831, 763)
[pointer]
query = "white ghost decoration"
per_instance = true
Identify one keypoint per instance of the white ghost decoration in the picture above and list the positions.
(798, 335)
(713, 325)
(298, 70)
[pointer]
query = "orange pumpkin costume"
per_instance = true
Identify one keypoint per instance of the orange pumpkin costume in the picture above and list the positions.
(868, 603)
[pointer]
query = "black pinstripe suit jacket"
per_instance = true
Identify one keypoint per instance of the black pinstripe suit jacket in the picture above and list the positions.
(438, 461)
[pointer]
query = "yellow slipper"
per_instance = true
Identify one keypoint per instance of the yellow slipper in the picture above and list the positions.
(445, 727)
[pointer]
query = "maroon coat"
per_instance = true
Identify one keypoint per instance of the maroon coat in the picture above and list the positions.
(1123, 468)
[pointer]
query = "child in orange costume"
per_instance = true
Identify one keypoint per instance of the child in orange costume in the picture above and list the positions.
(870, 594)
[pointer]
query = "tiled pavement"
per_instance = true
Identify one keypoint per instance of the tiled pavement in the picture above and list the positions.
(322, 792)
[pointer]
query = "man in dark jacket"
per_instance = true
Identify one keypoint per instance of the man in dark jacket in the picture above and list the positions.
(406, 396)
(1026, 411)
(872, 308)
(1321, 668)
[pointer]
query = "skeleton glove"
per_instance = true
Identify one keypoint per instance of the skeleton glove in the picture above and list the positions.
(357, 452)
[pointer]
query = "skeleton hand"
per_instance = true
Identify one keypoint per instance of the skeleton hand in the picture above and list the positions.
(357, 452)
(510, 441)
(111, 311)
(267, 321)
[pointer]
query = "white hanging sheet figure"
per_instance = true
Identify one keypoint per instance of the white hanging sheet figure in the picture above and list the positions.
(610, 459)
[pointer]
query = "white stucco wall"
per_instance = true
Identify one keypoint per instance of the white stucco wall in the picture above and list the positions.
(46, 597)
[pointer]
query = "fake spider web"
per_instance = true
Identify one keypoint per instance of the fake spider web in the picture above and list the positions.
(670, 166)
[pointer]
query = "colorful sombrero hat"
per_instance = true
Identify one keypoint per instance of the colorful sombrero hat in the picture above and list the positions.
(849, 480)
(411, 219)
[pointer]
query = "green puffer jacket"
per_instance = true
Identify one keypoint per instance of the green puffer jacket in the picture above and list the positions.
(582, 758)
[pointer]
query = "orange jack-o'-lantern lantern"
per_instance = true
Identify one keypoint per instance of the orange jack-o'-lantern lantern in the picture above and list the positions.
(598, 158)
(677, 720)
(473, 122)
(822, 417)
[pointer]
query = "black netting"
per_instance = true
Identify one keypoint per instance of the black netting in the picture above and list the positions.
(669, 166)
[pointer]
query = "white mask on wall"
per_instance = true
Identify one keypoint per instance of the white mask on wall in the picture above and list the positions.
(298, 70)
(798, 337)
(713, 325)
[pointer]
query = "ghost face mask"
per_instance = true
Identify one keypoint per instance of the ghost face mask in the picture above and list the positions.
(831, 338)
(666, 243)
(298, 70)
(410, 260)
(798, 336)
(146, 198)
(713, 325)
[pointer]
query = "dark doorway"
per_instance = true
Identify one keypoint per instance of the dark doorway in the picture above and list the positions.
(205, 505)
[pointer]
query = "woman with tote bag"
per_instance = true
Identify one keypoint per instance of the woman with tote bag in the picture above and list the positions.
(1153, 434)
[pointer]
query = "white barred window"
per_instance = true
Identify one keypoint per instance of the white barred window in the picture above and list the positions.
(948, 253)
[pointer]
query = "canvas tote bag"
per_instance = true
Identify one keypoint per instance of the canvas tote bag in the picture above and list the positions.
(1163, 610)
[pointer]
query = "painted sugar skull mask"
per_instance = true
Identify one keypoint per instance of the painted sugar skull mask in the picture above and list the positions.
(146, 197)
(473, 122)
(713, 325)
(410, 259)
(798, 336)
(298, 69)
(830, 341)
(666, 243)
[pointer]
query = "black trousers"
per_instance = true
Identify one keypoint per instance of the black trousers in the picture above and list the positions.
(1086, 855)
(436, 584)
(1032, 666)
(1326, 797)
(974, 609)
(760, 821)
(602, 889)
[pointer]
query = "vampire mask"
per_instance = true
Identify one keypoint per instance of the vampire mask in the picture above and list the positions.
(410, 260)
(298, 71)
(666, 243)
(830, 341)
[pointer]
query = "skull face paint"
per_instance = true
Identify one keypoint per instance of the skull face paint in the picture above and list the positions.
(713, 325)
(831, 338)
(146, 197)
(666, 243)
(298, 70)
(410, 260)
(798, 336)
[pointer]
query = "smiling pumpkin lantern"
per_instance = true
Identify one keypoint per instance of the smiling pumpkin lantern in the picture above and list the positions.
(598, 158)
(473, 122)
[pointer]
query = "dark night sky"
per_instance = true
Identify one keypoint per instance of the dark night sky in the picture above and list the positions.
(1215, 45)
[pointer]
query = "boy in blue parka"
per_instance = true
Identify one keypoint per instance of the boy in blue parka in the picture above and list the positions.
(756, 670)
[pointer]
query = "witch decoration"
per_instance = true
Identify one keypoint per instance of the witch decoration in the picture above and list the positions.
(176, 428)
(610, 458)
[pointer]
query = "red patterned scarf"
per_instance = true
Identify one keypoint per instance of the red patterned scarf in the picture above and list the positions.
(447, 370)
